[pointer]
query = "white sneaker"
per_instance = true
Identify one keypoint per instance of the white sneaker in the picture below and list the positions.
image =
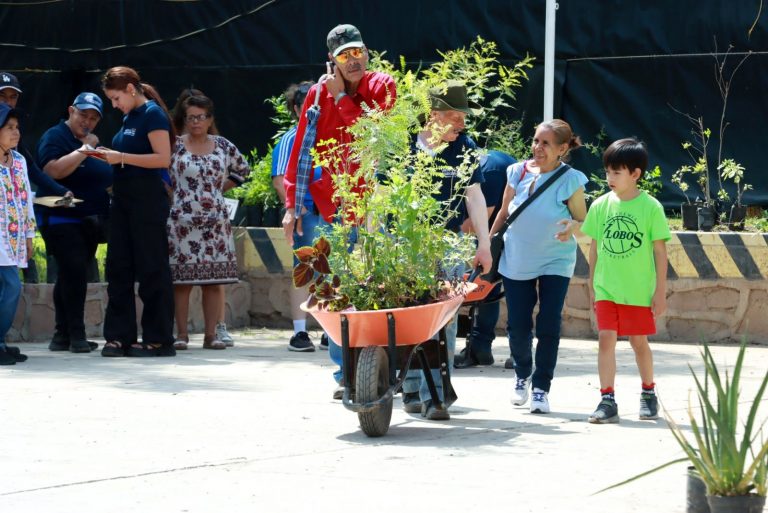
(223, 335)
(539, 401)
(520, 392)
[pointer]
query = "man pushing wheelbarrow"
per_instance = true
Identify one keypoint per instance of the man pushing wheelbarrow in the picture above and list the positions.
(402, 283)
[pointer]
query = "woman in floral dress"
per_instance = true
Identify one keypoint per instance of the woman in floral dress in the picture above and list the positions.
(202, 252)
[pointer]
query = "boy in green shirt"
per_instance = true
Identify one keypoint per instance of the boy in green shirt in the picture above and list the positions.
(628, 272)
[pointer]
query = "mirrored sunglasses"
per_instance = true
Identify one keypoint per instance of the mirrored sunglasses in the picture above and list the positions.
(355, 53)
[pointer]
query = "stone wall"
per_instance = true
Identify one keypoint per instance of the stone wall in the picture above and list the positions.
(35, 321)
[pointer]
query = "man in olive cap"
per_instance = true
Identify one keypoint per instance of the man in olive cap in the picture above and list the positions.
(340, 94)
(443, 137)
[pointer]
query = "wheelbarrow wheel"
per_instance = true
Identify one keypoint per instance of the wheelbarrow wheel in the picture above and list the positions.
(372, 383)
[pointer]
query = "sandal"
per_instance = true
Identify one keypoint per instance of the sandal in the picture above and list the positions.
(112, 348)
(145, 349)
(211, 342)
(181, 343)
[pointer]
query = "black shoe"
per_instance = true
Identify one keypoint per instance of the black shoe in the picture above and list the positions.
(146, 350)
(6, 357)
(338, 393)
(470, 359)
(324, 342)
(411, 402)
(607, 412)
(16, 353)
(649, 406)
(509, 363)
(59, 342)
(300, 342)
(81, 346)
(431, 412)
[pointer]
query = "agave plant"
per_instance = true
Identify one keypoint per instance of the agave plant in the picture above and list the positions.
(722, 451)
(731, 458)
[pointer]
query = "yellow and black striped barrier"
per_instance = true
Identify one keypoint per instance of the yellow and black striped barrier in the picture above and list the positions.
(705, 256)
(263, 250)
(700, 255)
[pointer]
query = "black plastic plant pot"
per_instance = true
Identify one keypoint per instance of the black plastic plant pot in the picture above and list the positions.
(736, 504)
(690, 216)
(696, 493)
(706, 218)
(271, 217)
(254, 214)
(737, 218)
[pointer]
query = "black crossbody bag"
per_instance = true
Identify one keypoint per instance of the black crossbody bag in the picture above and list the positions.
(497, 241)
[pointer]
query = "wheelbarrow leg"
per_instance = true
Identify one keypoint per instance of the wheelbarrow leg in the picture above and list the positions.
(428, 376)
(449, 394)
(346, 363)
(391, 349)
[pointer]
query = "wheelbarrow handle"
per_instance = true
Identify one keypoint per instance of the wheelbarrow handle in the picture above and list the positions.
(475, 273)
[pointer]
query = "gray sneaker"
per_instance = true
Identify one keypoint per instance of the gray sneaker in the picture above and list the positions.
(649, 406)
(223, 335)
(607, 412)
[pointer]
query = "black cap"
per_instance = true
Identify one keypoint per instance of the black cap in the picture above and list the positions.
(8, 80)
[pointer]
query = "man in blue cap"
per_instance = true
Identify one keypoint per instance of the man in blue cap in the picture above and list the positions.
(71, 235)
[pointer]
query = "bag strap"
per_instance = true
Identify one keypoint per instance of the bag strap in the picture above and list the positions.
(519, 210)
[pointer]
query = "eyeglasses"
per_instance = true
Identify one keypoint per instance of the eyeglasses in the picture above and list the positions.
(355, 53)
(199, 117)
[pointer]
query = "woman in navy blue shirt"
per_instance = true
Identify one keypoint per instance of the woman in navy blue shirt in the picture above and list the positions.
(138, 242)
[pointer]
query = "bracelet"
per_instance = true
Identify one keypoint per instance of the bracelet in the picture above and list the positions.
(122, 159)
(339, 96)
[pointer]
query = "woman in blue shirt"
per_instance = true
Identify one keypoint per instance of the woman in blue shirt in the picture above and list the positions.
(539, 256)
(138, 242)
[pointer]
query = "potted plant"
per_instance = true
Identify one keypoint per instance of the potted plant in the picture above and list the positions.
(689, 208)
(727, 451)
(697, 149)
(732, 170)
(258, 198)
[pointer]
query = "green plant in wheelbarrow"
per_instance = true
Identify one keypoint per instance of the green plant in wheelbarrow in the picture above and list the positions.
(728, 452)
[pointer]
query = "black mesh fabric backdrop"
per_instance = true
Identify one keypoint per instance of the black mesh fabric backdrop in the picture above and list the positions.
(621, 65)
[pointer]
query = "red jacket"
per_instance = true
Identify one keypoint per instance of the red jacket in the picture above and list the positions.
(375, 89)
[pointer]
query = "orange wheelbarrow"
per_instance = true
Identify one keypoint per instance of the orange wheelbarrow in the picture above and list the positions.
(375, 343)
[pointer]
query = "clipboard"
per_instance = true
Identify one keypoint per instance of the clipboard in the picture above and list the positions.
(55, 201)
(99, 154)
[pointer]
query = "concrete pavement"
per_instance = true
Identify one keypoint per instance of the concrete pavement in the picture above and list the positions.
(254, 429)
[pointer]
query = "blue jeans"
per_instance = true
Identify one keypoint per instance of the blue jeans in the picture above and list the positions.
(310, 222)
(334, 349)
(484, 332)
(10, 291)
(415, 380)
(522, 296)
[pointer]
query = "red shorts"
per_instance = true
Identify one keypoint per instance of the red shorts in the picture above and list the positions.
(625, 320)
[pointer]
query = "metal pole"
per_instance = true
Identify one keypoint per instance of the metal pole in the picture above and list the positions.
(549, 60)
